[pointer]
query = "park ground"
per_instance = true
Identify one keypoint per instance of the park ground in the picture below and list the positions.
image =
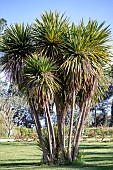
(27, 156)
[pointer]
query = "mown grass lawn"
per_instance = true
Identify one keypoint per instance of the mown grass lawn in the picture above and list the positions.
(27, 156)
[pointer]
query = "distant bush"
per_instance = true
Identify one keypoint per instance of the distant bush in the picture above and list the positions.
(23, 133)
(98, 133)
(3, 132)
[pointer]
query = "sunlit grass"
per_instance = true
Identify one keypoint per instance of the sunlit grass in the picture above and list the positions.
(13, 155)
(27, 156)
(100, 154)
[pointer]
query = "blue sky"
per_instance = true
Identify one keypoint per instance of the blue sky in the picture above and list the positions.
(17, 11)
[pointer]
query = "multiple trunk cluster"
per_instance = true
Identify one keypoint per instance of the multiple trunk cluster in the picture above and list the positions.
(52, 60)
(69, 148)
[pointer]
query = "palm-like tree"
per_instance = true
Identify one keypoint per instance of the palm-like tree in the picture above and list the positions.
(68, 65)
(86, 52)
(16, 46)
(49, 34)
(49, 38)
(42, 84)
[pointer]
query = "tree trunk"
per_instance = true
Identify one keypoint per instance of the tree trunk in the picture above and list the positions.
(84, 111)
(95, 116)
(79, 131)
(71, 127)
(49, 137)
(64, 113)
(111, 123)
(60, 130)
(60, 134)
(51, 131)
(38, 129)
(9, 133)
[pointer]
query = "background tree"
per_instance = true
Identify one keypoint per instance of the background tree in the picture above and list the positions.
(10, 101)
(3, 24)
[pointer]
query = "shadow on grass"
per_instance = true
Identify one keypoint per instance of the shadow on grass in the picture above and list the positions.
(100, 159)
(99, 153)
(90, 167)
(18, 143)
(39, 165)
(20, 160)
(19, 164)
(96, 146)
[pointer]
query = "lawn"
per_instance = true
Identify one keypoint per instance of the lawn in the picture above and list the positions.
(27, 156)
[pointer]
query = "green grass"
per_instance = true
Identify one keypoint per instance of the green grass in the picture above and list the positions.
(27, 156)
